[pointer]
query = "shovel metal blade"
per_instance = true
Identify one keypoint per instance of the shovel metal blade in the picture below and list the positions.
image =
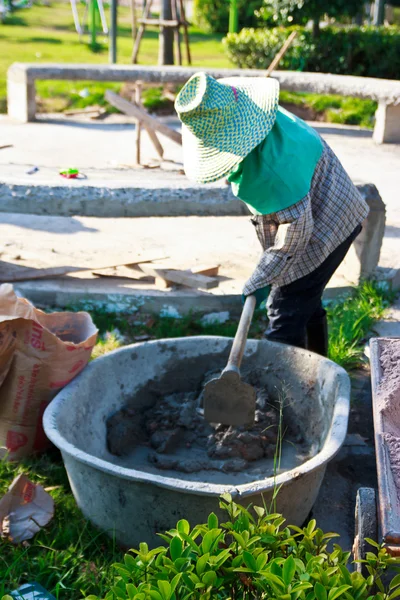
(230, 401)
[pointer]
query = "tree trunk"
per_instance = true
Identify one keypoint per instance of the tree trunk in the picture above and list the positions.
(315, 28)
(166, 37)
(379, 12)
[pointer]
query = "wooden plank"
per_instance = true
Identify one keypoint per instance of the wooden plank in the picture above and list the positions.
(180, 277)
(123, 272)
(21, 273)
(281, 53)
(82, 111)
(152, 134)
(134, 111)
(209, 270)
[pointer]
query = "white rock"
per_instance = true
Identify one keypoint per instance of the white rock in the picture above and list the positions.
(216, 317)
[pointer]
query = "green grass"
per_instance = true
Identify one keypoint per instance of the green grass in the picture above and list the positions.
(335, 109)
(47, 34)
(351, 320)
(70, 558)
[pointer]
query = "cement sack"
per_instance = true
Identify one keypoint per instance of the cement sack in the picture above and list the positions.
(39, 354)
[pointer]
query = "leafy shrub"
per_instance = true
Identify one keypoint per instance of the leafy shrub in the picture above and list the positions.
(213, 15)
(252, 556)
(364, 51)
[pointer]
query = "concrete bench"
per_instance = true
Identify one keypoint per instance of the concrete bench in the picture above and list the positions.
(21, 91)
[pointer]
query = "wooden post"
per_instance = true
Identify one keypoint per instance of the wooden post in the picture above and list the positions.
(185, 31)
(281, 53)
(133, 20)
(138, 130)
(177, 37)
(166, 37)
(141, 31)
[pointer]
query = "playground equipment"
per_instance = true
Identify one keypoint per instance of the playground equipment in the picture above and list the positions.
(93, 9)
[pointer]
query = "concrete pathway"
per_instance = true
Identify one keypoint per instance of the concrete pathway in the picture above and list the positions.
(104, 152)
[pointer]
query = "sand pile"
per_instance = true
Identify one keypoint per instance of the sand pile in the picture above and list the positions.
(389, 403)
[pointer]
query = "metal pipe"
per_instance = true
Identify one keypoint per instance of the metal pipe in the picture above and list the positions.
(113, 33)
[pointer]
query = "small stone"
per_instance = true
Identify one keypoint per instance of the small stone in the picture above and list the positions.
(235, 465)
(165, 441)
(215, 317)
(163, 462)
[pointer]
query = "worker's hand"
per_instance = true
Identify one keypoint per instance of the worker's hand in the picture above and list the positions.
(261, 294)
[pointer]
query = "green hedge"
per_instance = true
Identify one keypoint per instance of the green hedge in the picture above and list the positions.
(364, 51)
(213, 15)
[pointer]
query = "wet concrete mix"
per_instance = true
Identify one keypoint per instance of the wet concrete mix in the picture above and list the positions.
(178, 437)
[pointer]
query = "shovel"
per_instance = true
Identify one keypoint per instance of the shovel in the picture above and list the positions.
(228, 400)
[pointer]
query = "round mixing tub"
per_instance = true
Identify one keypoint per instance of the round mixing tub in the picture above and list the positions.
(133, 502)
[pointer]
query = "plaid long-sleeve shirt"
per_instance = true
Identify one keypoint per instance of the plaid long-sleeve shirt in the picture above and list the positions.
(297, 239)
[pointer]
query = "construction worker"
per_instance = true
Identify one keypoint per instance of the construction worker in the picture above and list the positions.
(306, 210)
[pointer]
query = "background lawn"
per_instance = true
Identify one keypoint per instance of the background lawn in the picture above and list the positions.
(46, 33)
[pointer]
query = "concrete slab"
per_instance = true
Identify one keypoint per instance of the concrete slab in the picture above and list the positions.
(390, 326)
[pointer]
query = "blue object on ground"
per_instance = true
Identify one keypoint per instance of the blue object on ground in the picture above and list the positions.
(31, 591)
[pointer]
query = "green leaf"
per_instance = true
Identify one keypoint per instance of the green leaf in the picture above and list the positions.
(373, 543)
(288, 570)
(212, 521)
(259, 510)
(132, 590)
(143, 548)
(345, 574)
(202, 563)
(395, 594)
(175, 582)
(395, 582)
(209, 578)
(175, 548)
(239, 539)
(250, 561)
(189, 540)
(154, 595)
(165, 589)
(320, 591)
(209, 539)
(183, 526)
(311, 526)
(261, 560)
(130, 562)
(270, 577)
(336, 592)
(276, 569)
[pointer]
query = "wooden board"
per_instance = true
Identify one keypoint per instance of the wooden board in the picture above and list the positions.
(10, 272)
(187, 278)
(139, 113)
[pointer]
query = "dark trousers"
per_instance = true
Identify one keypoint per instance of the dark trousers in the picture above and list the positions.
(295, 312)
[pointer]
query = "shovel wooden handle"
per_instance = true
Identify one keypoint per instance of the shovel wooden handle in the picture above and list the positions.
(239, 343)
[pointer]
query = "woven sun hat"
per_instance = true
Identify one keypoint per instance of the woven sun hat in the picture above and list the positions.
(223, 120)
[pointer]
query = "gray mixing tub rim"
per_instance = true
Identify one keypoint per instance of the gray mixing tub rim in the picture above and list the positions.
(334, 440)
